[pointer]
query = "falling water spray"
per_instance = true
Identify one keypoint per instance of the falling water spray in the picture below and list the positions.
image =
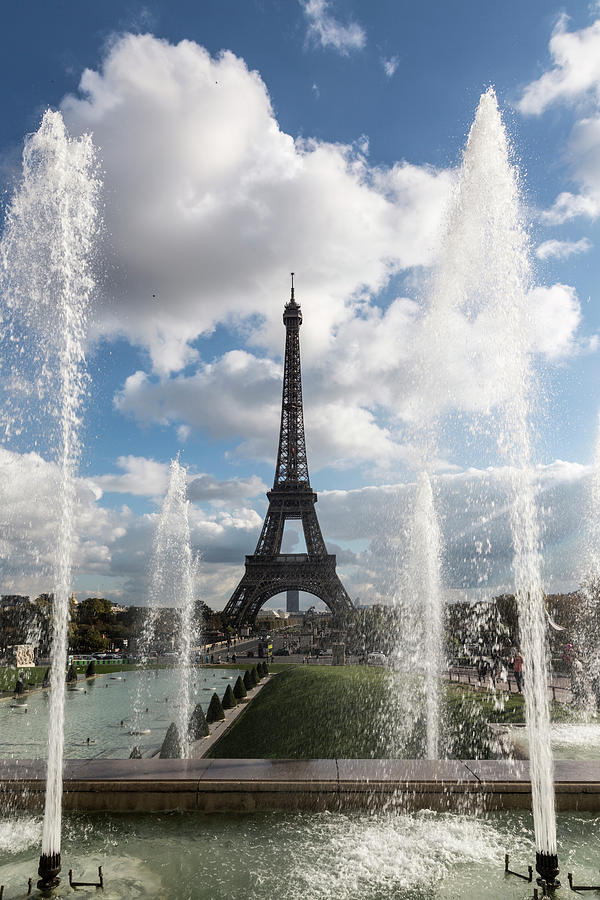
(427, 604)
(46, 250)
(586, 680)
(172, 584)
(481, 300)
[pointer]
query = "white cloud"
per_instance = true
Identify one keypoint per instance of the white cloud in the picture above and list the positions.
(390, 65)
(576, 70)
(554, 249)
(199, 176)
(206, 488)
(327, 31)
(141, 476)
(555, 315)
(474, 512)
(340, 432)
(569, 206)
(574, 79)
(374, 376)
(28, 498)
(367, 527)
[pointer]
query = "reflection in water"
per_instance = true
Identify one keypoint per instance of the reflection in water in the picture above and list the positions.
(98, 714)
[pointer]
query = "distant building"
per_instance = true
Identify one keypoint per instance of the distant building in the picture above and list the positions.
(292, 604)
(117, 609)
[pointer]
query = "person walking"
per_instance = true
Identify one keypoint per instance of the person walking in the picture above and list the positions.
(518, 670)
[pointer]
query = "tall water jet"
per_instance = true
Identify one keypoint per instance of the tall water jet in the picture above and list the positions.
(47, 282)
(586, 677)
(172, 585)
(480, 301)
(427, 607)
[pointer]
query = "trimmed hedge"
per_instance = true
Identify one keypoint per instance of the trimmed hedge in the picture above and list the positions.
(198, 727)
(248, 681)
(239, 689)
(229, 701)
(254, 675)
(215, 710)
(171, 747)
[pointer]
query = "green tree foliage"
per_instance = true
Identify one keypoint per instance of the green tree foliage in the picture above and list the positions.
(215, 710)
(171, 746)
(248, 681)
(94, 610)
(239, 689)
(89, 640)
(198, 727)
(254, 675)
(257, 670)
(229, 701)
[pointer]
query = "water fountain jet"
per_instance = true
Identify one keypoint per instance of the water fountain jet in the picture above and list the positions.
(481, 297)
(45, 254)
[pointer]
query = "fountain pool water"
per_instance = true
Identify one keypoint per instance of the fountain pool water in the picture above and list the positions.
(97, 714)
(327, 856)
(572, 740)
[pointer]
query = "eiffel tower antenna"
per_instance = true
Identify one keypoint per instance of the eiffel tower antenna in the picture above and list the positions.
(268, 571)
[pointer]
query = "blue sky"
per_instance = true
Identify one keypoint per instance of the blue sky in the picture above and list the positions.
(241, 140)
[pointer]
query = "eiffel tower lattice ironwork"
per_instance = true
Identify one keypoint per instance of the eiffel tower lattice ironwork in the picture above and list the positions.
(268, 571)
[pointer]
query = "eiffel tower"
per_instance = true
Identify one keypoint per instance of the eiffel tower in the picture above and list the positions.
(268, 571)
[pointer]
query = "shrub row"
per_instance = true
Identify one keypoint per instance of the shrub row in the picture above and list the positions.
(198, 726)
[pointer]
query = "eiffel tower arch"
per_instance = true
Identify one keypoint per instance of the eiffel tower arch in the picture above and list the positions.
(268, 570)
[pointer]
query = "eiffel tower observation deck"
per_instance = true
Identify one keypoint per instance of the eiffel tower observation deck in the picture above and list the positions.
(268, 570)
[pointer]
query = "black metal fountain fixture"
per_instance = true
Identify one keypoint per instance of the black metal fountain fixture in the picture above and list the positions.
(574, 887)
(528, 877)
(48, 870)
(546, 865)
(96, 884)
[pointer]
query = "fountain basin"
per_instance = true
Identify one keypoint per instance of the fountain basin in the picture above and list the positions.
(301, 856)
(223, 785)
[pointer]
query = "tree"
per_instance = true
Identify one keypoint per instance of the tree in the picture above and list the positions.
(248, 681)
(89, 639)
(198, 727)
(229, 701)
(94, 610)
(171, 747)
(215, 710)
(239, 689)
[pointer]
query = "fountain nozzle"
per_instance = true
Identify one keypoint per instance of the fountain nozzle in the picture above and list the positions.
(546, 865)
(48, 870)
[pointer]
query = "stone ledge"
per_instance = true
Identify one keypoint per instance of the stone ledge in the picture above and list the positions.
(223, 785)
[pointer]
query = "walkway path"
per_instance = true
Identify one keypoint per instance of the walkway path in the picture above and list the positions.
(559, 686)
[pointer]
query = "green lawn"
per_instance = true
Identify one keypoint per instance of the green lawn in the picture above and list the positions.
(358, 712)
(32, 676)
(314, 712)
